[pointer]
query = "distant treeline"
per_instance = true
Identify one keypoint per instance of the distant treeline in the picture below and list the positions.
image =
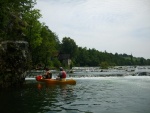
(20, 21)
(92, 57)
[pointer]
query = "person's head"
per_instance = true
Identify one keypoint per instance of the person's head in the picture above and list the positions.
(61, 69)
(46, 69)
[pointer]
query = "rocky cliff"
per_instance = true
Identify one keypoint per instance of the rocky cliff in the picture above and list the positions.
(14, 62)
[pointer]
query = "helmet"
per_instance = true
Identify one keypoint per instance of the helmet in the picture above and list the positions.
(61, 69)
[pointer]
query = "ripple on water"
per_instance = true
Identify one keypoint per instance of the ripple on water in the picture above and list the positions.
(101, 95)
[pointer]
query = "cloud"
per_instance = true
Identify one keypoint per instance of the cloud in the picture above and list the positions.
(115, 26)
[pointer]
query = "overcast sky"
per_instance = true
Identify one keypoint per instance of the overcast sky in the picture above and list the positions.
(117, 26)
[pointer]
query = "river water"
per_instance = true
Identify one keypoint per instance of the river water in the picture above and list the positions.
(127, 94)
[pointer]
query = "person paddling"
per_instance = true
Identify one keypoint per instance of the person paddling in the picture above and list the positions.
(62, 75)
(48, 74)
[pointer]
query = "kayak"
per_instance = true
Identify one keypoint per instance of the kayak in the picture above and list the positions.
(54, 81)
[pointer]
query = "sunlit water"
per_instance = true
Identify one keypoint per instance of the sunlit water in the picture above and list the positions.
(130, 94)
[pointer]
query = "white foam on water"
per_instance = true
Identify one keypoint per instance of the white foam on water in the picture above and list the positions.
(29, 78)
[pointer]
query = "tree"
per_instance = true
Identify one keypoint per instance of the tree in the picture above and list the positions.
(12, 24)
(68, 46)
(33, 28)
(82, 58)
(48, 49)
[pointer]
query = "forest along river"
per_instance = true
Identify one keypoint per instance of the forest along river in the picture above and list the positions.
(127, 94)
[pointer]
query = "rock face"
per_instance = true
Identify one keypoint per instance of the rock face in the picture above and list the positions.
(14, 62)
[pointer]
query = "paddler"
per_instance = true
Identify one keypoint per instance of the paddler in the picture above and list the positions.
(62, 75)
(48, 74)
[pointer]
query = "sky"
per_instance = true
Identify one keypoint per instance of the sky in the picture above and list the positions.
(115, 26)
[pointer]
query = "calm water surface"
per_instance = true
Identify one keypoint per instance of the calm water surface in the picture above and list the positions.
(89, 95)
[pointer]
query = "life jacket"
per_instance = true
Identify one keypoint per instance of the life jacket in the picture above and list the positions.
(63, 74)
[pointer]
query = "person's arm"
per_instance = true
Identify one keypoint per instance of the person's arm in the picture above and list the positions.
(60, 74)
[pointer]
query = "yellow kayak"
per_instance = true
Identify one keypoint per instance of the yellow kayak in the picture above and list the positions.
(54, 81)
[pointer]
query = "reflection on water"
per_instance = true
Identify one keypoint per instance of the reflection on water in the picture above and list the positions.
(90, 95)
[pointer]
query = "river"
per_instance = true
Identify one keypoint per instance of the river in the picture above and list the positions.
(126, 94)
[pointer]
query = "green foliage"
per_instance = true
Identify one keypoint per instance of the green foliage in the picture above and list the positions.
(56, 63)
(92, 57)
(104, 65)
(47, 50)
(69, 46)
(12, 24)
(33, 28)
